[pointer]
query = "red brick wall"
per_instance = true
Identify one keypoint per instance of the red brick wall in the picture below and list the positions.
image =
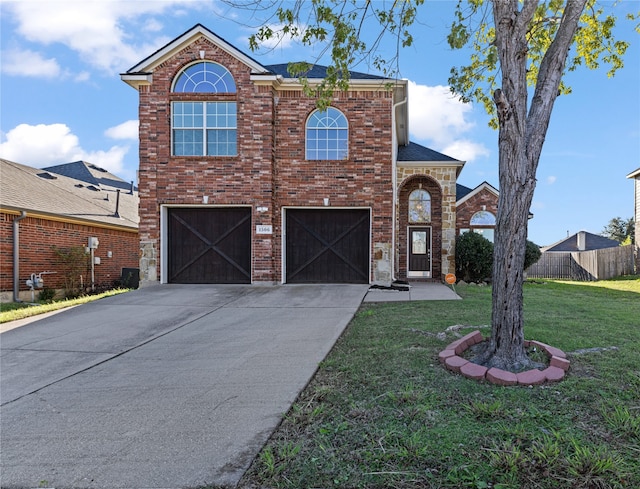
(270, 170)
(38, 237)
(467, 209)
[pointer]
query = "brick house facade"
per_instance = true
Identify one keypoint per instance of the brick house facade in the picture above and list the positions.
(264, 206)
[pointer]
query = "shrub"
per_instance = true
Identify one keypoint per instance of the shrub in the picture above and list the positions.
(532, 254)
(474, 257)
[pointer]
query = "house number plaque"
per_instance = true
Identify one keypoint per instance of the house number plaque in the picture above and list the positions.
(264, 229)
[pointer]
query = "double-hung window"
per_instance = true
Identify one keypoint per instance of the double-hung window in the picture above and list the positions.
(204, 128)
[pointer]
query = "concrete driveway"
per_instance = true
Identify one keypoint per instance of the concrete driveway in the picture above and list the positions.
(170, 386)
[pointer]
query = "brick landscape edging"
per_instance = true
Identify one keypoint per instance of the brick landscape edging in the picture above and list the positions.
(451, 359)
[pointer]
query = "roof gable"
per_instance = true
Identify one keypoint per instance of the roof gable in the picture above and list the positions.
(140, 72)
(466, 195)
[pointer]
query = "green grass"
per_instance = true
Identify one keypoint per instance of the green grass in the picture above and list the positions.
(381, 412)
(10, 311)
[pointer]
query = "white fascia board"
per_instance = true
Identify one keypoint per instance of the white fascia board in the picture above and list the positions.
(137, 79)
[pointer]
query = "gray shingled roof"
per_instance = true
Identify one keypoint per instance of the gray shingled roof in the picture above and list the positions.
(461, 191)
(592, 242)
(416, 152)
(39, 191)
(319, 71)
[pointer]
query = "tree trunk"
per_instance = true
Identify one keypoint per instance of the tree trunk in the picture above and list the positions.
(520, 140)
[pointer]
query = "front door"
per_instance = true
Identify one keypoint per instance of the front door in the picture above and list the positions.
(419, 252)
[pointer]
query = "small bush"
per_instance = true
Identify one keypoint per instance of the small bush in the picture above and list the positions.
(474, 257)
(532, 254)
(46, 295)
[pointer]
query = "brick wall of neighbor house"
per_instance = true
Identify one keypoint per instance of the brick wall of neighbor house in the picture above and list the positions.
(248, 179)
(38, 255)
(468, 208)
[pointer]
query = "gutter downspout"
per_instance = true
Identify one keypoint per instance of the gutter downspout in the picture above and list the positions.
(394, 178)
(16, 256)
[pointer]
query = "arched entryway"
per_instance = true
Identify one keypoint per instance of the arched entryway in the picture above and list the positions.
(419, 229)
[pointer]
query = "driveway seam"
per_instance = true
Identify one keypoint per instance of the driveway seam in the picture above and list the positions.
(117, 355)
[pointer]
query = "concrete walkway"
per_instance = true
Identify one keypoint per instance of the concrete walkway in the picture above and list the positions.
(417, 291)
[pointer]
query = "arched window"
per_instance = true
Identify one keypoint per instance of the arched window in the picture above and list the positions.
(419, 206)
(483, 218)
(200, 128)
(204, 77)
(483, 223)
(327, 135)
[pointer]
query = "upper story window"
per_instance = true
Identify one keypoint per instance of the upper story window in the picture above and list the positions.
(204, 128)
(327, 135)
(205, 77)
(419, 206)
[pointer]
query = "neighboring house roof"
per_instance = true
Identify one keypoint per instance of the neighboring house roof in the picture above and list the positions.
(634, 174)
(91, 174)
(591, 242)
(54, 196)
(464, 193)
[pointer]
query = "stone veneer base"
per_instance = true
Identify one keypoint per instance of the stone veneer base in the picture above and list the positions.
(451, 359)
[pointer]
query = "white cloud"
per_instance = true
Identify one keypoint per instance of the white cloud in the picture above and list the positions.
(24, 62)
(551, 180)
(126, 130)
(465, 150)
(437, 116)
(95, 29)
(45, 145)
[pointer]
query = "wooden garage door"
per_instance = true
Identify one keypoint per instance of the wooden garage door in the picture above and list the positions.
(209, 246)
(327, 246)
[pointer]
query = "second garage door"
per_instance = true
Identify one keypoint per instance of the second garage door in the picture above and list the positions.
(327, 246)
(209, 246)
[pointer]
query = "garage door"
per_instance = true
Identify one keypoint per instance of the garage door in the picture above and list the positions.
(209, 246)
(327, 246)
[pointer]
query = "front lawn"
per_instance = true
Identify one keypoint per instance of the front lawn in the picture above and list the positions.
(382, 413)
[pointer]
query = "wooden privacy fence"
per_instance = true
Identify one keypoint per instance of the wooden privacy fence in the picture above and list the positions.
(584, 265)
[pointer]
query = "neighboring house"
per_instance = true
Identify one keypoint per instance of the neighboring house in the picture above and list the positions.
(581, 241)
(635, 175)
(243, 180)
(41, 210)
(583, 256)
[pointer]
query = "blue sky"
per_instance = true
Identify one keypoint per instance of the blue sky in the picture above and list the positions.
(62, 100)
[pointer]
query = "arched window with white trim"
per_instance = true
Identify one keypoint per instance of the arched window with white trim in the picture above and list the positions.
(327, 135)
